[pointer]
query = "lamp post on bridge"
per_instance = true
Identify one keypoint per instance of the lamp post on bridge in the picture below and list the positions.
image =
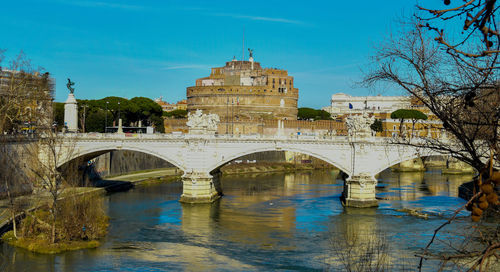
(232, 116)
(30, 132)
(227, 108)
(227, 115)
(84, 115)
(106, 118)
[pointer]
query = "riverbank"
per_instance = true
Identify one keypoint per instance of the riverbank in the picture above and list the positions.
(40, 244)
(107, 185)
(266, 167)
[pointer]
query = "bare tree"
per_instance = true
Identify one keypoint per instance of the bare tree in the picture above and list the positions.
(462, 94)
(479, 36)
(24, 95)
(12, 177)
(26, 106)
(464, 99)
(48, 155)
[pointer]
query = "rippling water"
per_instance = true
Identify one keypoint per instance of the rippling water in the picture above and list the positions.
(263, 222)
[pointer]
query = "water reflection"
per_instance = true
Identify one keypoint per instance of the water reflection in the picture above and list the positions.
(413, 185)
(271, 221)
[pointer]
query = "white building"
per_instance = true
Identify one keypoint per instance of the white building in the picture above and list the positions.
(342, 103)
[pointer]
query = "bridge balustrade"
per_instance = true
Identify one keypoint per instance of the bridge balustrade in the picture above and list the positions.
(198, 155)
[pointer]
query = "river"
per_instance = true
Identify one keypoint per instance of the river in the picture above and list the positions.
(265, 222)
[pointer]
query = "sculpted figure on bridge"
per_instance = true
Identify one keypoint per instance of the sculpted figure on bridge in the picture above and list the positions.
(200, 123)
(359, 125)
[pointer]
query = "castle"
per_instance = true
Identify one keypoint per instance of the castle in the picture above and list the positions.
(244, 91)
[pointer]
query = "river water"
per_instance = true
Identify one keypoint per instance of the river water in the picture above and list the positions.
(265, 222)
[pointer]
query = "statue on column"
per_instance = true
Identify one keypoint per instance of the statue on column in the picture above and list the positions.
(69, 85)
(71, 109)
(250, 51)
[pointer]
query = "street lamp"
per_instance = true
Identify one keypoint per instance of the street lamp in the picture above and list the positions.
(84, 114)
(227, 114)
(232, 116)
(106, 117)
(30, 132)
(330, 131)
(119, 112)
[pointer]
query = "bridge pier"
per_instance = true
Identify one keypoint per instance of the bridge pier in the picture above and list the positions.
(359, 191)
(198, 187)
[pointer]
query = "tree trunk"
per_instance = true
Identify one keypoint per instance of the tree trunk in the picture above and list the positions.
(412, 127)
(401, 128)
(53, 211)
(14, 224)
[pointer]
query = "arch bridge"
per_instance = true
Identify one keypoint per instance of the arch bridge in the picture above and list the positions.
(199, 155)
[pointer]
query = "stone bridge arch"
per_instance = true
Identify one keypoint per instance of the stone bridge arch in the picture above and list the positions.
(94, 152)
(393, 160)
(335, 161)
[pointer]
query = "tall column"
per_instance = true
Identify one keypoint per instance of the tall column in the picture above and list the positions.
(71, 113)
(359, 191)
(198, 187)
(120, 127)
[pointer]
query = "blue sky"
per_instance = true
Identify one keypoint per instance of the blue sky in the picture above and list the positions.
(158, 48)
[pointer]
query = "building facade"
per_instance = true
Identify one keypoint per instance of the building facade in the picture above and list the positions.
(244, 91)
(342, 104)
(26, 98)
(167, 107)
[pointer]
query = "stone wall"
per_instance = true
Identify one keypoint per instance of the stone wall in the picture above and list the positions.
(15, 165)
(266, 127)
(122, 162)
(243, 102)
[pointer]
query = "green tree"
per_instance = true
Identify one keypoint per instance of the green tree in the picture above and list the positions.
(130, 111)
(95, 120)
(312, 114)
(158, 123)
(377, 126)
(177, 114)
(58, 108)
(118, 107)
(143, 109)
(413, 115)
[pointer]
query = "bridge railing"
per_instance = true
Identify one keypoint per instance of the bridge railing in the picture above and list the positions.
(160, 136)
(244, 137)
